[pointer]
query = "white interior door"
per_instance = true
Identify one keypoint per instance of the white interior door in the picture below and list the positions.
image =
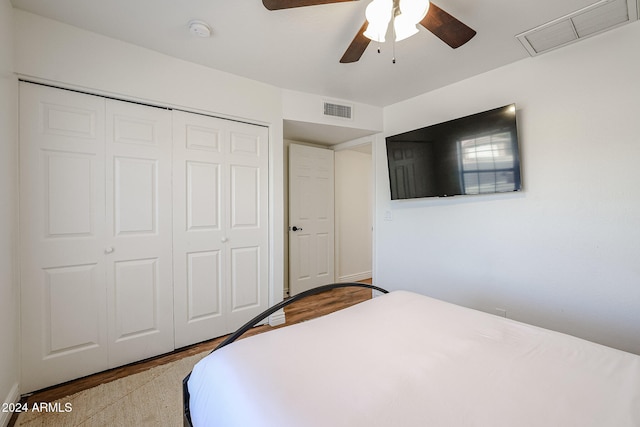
(311, 217)
(62, 228)
(220, 225)
(138, 246)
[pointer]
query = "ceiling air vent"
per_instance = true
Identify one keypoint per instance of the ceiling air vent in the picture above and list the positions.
(337, 110)
(593, 19)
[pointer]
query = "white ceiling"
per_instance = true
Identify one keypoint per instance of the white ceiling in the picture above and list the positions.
(300, 48)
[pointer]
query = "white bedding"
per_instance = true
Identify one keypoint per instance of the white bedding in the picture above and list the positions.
(405, 360)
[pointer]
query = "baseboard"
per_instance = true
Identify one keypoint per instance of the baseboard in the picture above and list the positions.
(355, 277)
(277, 318)
(12, 397)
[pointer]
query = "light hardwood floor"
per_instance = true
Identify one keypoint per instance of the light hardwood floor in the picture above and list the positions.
(299, 311)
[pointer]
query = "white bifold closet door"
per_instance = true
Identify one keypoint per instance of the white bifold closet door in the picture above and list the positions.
(95, 226)
(220, 191)
(139, 231)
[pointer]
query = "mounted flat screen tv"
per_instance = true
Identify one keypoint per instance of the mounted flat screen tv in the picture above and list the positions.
(477, 154)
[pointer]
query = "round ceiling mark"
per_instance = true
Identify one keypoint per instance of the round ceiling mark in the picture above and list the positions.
(200, 29)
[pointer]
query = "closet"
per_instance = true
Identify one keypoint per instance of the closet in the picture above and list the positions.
(128, 241)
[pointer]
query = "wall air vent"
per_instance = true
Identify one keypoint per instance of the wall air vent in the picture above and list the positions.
(593, 19)
(338, 110)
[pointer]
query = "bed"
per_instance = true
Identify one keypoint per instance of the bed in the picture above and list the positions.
(404, 359)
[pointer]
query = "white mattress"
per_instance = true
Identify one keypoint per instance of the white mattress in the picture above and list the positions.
(403, 359)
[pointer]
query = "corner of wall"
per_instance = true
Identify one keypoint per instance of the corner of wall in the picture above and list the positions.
(9, 286)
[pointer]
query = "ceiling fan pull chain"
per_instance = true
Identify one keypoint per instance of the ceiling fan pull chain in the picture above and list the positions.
(393, 43)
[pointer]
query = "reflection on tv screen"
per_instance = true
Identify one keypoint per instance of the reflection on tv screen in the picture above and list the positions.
(476, 154)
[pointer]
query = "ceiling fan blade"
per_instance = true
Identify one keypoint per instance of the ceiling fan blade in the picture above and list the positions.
(357, 46)
(446, 27)
(289, 4)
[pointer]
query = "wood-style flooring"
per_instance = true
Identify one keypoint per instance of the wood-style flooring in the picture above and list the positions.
(299, 311)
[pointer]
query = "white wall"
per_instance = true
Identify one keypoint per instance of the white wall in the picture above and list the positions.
(51, 52)
(353, 206)
(9, 299)
(564, 253)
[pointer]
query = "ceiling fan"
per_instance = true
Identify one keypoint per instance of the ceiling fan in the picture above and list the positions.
(447, 28)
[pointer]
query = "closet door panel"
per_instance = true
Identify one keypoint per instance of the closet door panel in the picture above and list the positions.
(68, 193)
(62, 215)
(71, 327)
(135, 288)
(245, 278)
(245, 197)
(198, 232)
(139, 239)
(202, 196)
(247, 222)
(136, 189)
(204, 285)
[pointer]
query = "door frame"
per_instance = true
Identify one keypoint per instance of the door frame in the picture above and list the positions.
(312, 154)
(371, 140)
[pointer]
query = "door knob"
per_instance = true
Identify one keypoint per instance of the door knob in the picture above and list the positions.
(294, 228)
(224, 240)
(108, 250)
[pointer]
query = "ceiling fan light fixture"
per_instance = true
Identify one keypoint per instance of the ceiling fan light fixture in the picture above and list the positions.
(406, 14)
(378, 14)
(404, 27)
(413, 10)
(410, 14)
(376, 33)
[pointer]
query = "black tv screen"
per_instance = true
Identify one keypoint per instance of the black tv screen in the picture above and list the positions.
(477, 154)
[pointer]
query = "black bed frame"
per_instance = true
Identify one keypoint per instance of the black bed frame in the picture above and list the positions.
(253, 322)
